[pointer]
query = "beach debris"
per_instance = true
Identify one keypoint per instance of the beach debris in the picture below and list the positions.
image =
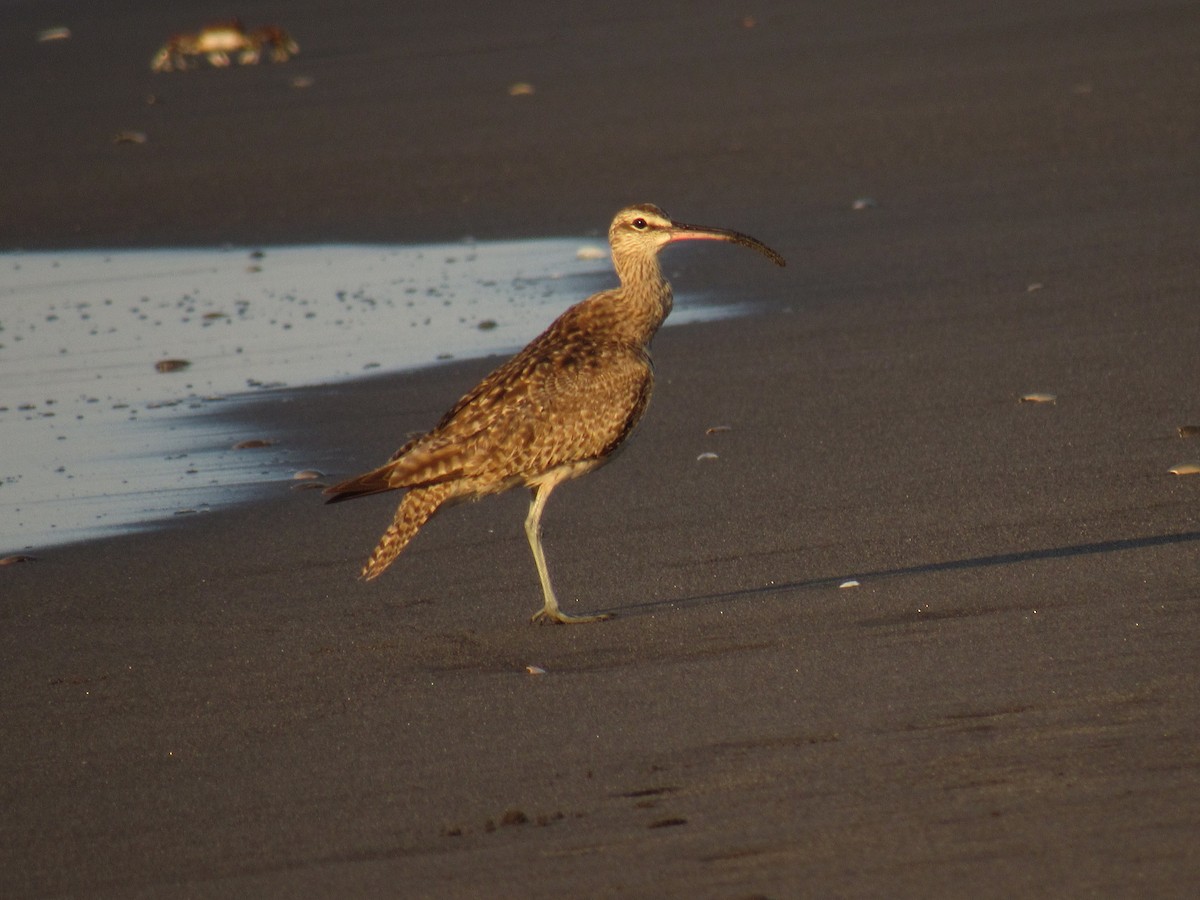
(486, 324)
(130, 137)
(708, 454)
(520, 89)
(667, 823)
(253, 444)
(848, 584)
(218, 41)
(308, 474)
(591, 251)
(58, 33)
(171, 365)
(718, 429)
(1187, 431)
(16, 558)
(513, 817)
(534, 670)
(1037, 397)
(1187, 468)
(861, 203)
(647, 792)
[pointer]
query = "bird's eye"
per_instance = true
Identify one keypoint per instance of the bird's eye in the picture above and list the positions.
(639, 224)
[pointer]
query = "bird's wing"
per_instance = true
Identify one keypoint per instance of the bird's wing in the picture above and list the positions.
(575, 405)
(543, 408)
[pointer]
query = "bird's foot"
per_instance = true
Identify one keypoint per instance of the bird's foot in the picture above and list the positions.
(553, 616)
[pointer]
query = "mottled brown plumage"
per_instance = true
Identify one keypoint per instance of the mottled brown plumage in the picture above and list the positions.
(556, 410)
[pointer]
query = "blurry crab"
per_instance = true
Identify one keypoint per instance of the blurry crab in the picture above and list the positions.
(218, 41)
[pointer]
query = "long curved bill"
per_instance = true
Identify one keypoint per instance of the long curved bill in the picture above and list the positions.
(681, 231)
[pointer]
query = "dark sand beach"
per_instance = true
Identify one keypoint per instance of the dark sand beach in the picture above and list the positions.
(1006, 704)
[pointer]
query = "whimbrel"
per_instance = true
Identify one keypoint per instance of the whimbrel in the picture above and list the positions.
(557, 410)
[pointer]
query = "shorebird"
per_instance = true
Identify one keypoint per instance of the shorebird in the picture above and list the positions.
(557, 410)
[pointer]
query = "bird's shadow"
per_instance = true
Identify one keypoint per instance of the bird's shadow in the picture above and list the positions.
(954, 565)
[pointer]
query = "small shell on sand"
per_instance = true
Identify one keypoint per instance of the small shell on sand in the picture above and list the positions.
(1188, 468)
(717, 429)
(308, 474)
(534, 670)
(848, 584)
(1038, 398)
(1189, 430)
(707, 455)
(171, 365)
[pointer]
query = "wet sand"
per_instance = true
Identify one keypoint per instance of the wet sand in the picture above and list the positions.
(1005, 704)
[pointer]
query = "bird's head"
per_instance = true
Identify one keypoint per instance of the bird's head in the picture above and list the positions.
(639, 232)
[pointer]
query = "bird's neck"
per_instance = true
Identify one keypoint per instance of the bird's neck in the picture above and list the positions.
(644, 298)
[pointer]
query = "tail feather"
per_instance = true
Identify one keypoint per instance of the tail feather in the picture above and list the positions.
(418, 505)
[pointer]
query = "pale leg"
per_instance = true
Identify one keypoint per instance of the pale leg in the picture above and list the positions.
(533, 530)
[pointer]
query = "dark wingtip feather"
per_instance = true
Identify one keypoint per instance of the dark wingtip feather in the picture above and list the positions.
(362, 486)
(333, 495)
